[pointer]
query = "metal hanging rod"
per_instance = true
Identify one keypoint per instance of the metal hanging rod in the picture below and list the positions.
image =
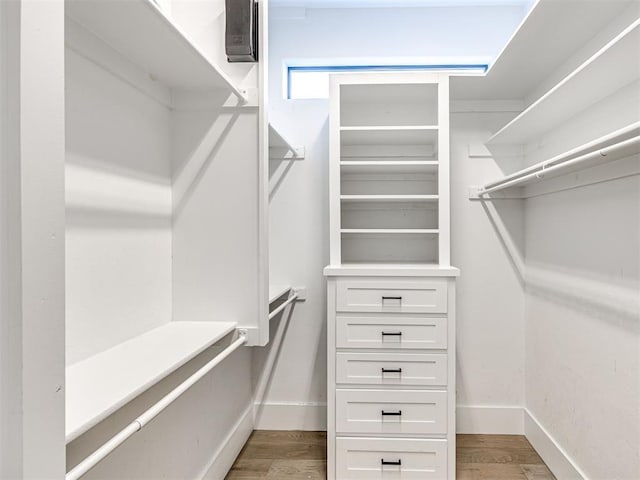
(619, 150)
(139, 423)
(284, 305)
(620, 134)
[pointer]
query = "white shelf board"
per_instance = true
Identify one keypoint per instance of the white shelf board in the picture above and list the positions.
(615, 65)
(277, 291)
(391, 269)
(532, 53)
(389, 198)
(388, 166)
(389, 135)
(280, 147)
(390, 230)
(101, 384)
(142, 33)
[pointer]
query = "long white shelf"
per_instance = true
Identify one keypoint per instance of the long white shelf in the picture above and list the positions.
(389, 198)
(389, 166)
(101, 384)
(392, 269)
(533, 54)
(281, 148)
(403, 231)
(609, 148)
(389, 135)
(387, 128)
(611, 68)
(277, 291)
(142, 33)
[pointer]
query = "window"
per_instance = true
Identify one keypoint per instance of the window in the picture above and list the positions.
(307, 82)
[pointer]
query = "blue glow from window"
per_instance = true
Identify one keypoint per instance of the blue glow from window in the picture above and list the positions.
(319, 84)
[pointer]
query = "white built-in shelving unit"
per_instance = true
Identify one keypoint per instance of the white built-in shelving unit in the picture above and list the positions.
(144, 118)
(390, 278)
(388, 172)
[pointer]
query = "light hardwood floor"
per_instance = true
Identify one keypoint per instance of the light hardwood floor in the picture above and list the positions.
(301, 456)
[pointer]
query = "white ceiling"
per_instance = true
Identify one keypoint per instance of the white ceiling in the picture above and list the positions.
(391, 3)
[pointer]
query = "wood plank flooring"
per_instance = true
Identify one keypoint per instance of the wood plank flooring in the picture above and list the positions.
(301, 456)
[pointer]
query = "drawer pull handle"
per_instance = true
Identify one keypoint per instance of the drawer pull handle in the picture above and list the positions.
(391, 370)
(393, 334)
(385, 297)
(390, 462)
(392, 414)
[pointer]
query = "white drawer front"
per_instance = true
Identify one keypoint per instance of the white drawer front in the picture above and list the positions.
(379, 295)
(391, 411)
(415, 459)
(392, 368)
(390, 332)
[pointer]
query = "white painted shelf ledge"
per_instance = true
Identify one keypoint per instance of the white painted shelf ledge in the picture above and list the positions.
(611, 68)
(281, 149)
(401, 231)
(531, 55)
(389, 198)
(389, 135)
(162, 51)
(392, 269)
(277, 291)
(101, 384)
(388, 166)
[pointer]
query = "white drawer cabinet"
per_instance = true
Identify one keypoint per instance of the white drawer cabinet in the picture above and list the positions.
(380, 295)
(390, 458)
(391, 331)
(403, 369)
(391, 378)
(402, 412)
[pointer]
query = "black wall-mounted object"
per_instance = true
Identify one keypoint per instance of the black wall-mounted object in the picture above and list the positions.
(241, 36)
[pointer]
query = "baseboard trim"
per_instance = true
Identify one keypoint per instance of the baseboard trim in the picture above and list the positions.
(560, 464)
(291, 416)
(223, 459)
(496, 420)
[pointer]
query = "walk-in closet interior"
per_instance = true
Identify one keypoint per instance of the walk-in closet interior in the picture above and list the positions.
(320, 239)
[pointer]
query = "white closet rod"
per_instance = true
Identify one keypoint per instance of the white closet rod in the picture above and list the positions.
(135, 426)
(292, 298)
(629, 146)
(632, 128)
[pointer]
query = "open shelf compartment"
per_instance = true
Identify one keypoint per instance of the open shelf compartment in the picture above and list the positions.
(388, 104)
(368, 247)
(384, 215)
(390, 135)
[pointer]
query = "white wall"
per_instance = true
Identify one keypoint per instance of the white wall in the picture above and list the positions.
(582, 356)
(118, 196)
(490, 303)
(299, 204)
